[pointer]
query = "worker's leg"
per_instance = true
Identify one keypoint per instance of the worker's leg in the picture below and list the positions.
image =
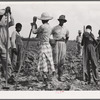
(94, 64)
(3, 59)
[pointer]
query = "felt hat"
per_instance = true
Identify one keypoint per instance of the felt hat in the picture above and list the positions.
(89, 27)
(62, 17)
(45, 16)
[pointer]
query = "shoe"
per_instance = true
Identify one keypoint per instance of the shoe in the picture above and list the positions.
(11, 80)
(96, 82)
(54, 73)
(88, 82)
(59, 79)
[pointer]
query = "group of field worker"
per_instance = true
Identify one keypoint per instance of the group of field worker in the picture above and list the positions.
(52, 50)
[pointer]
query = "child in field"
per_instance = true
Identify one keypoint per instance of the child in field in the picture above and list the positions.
(17, 47)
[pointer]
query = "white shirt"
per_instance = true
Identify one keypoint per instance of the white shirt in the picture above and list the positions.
(60, 31)
(13, 39)
(79, 39)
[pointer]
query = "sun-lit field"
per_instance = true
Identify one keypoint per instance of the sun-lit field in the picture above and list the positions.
(30, 80)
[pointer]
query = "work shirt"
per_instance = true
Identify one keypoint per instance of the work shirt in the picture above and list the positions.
(88, 38)
(16, 39)
(3, 31)
(44, 32)
(60, 31)
(78, 39)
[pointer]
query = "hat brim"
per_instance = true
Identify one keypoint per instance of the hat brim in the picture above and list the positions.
(49, 18)
(63, 20)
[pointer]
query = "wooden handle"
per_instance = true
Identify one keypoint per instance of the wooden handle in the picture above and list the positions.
(7, 48)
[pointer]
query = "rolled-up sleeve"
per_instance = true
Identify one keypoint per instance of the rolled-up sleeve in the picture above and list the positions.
(13, 38)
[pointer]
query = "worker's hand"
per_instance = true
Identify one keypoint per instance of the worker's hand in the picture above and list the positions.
(62, 38)
(15, 51)
(67, 38)
(52, 42)
(34, 19)
(8, 10)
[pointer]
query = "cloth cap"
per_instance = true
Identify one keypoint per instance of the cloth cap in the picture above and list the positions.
(45, 16)
(62, 17)
(2, 11)
(89, 27)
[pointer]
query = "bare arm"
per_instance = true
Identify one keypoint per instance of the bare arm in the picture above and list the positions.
(11, 23)
(13, 38)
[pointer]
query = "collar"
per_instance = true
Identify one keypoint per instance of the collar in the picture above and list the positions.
(17, 33)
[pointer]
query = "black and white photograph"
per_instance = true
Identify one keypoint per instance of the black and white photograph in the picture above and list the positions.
(50, 46)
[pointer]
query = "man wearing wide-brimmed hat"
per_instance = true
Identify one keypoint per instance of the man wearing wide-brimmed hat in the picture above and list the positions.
(45, 63)
(3, 40)
(60, 35)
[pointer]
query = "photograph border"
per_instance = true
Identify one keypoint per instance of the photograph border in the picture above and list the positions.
(60, 93)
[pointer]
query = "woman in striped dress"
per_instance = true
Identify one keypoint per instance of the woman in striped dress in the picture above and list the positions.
(45, 64)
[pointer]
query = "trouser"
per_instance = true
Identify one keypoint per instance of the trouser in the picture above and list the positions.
(79, 49)
(60, 71)
(17, 59)
(3, 61)
(98, 52)
(59, 54)
(91, 58)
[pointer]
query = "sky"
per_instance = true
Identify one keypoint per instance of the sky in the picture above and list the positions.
(78, 14)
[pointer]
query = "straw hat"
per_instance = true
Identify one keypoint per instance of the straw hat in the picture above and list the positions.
(2, 11)
(62, 17)
(45, 16)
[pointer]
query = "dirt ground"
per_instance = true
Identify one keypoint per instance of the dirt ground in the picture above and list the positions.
(30, 80)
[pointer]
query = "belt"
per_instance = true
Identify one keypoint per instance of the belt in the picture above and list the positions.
(44, 43)
(61, 40)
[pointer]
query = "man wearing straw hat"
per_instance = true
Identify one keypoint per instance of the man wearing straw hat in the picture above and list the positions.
(60, 35)
(3, 41)
(45, 64)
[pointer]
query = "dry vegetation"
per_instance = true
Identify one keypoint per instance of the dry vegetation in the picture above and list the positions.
(30, 80)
